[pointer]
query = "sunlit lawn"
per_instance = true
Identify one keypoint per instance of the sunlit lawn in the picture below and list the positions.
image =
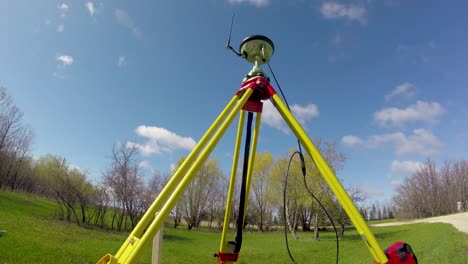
(34, 237)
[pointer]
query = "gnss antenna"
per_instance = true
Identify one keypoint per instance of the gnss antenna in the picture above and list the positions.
(256, 49)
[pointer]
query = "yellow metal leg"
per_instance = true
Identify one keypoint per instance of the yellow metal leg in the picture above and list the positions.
(224, 247)
(180, 172)
(341, 194)
(133, 245)
(253, 151)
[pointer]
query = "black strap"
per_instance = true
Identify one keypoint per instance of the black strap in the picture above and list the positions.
(240, 218)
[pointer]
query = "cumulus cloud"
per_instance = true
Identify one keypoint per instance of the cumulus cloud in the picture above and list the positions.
(396, 183)
(420, 111)
(370, 191)
(334, 10)
(405, 166)
(121, 62)
(421, 142)
(303, 114)
(351, 140)
(63, 9)
(146, 165)
(126, 21)
(91, 8)
(65, 60)
(405, 90)
(160, 140)
(257, 3)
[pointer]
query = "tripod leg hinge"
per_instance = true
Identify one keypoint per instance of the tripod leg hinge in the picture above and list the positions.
(253, 106)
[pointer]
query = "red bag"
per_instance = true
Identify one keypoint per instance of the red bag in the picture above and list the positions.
(400, 253)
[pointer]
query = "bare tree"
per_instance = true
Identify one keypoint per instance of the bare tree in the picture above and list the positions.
(126, 182)
(432, 192)
(339, 214)
(15, 141)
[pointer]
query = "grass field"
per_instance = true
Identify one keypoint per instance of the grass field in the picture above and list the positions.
(34, 237)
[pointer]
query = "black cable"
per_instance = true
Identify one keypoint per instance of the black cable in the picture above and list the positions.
(287, 105)
(243, 194)
(284, 208)
(303, 173)
(329, 218)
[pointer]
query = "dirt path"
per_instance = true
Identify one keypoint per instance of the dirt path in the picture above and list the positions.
(459, 221)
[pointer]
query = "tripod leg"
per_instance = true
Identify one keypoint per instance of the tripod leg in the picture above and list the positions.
(253, 151)
(128, 252)
(180, 172)
(224, 246)
(330, 177)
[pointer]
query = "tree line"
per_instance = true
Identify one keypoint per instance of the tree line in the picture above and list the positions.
(123, 193)
(433, 191)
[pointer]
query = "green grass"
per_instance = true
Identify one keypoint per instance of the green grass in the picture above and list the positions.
(34, 237)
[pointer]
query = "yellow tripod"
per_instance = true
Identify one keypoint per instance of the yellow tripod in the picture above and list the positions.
(255, 89)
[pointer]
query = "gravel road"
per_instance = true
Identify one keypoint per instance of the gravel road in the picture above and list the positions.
(459, 221)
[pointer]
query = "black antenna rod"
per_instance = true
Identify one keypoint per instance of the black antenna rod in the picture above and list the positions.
(228, 45)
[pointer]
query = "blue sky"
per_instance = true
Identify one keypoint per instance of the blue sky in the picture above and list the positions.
(385, 80)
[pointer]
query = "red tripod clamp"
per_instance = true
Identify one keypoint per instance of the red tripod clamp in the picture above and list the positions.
(262, 90)
(226, 257)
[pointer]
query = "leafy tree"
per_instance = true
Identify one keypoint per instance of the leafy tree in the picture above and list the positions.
(195, 199)
(262, 191)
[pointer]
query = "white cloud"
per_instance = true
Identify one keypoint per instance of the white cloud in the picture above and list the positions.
(121, 61)
(405, 166)
(420, 111)
(146, 165)
(257, 3)
(76, 167)
(334, 10)
(160, 140)
(91, 8)
(370, 191)
(60, 28)
(396, 183)
(405, 90)
(303, 114)
(63, 9)
(376, 141)
(351, 140)
(124, 19)
(272, 118)
(66, 60)
(172, 167)
(421, 142)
